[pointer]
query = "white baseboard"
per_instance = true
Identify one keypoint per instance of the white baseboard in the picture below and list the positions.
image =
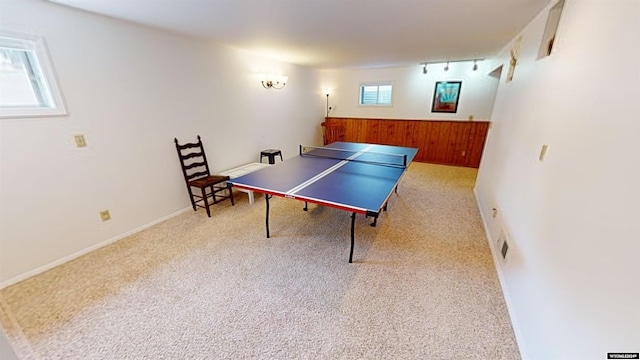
(505, 293)
(77, 254)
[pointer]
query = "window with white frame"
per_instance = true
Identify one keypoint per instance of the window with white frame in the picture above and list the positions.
(27, 84)
(378, 94)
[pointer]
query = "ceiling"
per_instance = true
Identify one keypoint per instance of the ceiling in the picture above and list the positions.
(337, 33)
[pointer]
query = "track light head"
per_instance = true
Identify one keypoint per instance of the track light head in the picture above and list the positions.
(475, 65)
(446, 67)
(424, 69)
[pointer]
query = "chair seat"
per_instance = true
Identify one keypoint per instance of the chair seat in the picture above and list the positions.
(271, 154)
(208, 181)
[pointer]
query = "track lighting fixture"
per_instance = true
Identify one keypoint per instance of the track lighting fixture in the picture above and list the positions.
(446, 66)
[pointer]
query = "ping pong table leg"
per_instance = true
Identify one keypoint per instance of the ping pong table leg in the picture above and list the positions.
(374, 216)
(306, 206)
(353, 222)
(267, 197)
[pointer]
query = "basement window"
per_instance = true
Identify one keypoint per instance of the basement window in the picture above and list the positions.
(550, 30)
(27, 84)
(378, 94)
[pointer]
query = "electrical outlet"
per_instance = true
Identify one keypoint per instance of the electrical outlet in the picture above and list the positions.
(105, 215)
(80, 140)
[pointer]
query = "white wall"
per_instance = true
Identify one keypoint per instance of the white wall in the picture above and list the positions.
(130, 90)
(571, 278)
(6, 351)
(412, 91)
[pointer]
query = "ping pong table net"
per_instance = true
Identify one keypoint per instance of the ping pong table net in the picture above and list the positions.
(366, 156)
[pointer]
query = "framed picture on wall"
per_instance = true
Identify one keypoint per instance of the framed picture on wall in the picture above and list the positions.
(446, 96)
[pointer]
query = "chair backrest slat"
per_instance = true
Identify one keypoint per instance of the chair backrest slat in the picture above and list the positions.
(188, 145)
(194, 165)
(332, 132)
(197, 175)
(192, 155)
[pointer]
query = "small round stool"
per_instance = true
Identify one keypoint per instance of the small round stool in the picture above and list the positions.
(271, 154)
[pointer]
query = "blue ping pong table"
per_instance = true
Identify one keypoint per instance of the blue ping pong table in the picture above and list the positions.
(354, 177)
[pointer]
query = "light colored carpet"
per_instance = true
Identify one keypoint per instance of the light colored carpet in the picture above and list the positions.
(422, 285)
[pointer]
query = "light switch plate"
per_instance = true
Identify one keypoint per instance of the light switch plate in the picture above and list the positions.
(80, 140)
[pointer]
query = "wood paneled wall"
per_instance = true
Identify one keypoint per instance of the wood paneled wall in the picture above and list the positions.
(457, 143)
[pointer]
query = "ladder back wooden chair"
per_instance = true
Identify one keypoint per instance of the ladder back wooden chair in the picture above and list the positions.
(195, 168)
(332, 132)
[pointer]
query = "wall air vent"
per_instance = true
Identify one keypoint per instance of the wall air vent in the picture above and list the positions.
(504, 249)
(503, 244)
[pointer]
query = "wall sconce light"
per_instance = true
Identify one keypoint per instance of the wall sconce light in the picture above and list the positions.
(270, 81)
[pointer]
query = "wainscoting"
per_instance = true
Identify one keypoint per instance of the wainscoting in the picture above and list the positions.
(457, 143)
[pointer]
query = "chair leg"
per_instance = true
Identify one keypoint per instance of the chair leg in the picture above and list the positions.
(193, 201)
(214, 192)
(206, 201)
